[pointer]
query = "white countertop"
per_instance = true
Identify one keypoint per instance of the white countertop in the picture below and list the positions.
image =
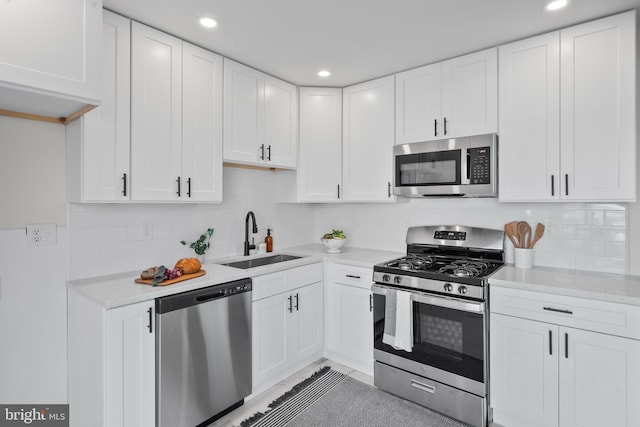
(584, 284)
(120, 289)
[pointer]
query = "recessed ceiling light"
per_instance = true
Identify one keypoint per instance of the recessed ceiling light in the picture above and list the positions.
(208, 22)
(556, 4)
(324, 73)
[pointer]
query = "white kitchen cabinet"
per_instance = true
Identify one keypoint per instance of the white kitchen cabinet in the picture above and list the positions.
(98, 143)
(111, 363)
(555, 361)
(260, 121)
(567, 100)
(176, 119)
(287, 323)
(319, 173)
(449, 99)
(367, 141)
(349, 316)
(45, 70)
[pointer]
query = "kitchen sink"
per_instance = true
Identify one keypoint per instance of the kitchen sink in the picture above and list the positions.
(258, 262)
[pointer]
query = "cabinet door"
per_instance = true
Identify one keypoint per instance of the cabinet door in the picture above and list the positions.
(156, 119)
(130, 366)
(350, 325)
(470, 94)
(599, 380)
(201, 125)
(419, 104)
(320, 168)
(308, 302)
(270, 337)
(244, 113)
(280, 123)
(598, 109)
(105, 140)
(524, 372)
(530, 119)
(368, 140)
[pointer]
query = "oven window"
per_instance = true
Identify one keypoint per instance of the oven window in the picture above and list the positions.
(443, 333)
(436, 168)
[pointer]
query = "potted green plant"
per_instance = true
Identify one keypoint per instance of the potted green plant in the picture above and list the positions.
(201, 245)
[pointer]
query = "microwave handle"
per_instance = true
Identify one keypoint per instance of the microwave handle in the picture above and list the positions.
(465, 166)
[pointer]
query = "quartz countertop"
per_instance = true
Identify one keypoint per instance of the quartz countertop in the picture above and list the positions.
(120, 289)
(584, 284)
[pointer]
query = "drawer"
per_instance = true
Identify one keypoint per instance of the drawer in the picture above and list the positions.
(344, 274)
(285, 280)
(600, 316)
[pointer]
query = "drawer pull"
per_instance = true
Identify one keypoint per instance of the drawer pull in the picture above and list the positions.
(550, 342)
(424, 387)
(557, 310)
(351, 276)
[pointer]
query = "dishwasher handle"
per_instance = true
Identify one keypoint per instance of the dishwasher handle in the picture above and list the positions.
(202, 296)
(208, 297)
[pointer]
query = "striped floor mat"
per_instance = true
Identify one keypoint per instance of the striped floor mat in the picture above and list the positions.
(299, 398)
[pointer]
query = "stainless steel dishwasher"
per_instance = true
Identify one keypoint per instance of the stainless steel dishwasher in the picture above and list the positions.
(203, 350)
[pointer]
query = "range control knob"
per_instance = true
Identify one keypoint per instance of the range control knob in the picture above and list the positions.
(462, 289)
(397, 280)
(386, 278)
(448, 287)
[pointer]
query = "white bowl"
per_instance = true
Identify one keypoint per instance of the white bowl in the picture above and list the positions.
(333, 245)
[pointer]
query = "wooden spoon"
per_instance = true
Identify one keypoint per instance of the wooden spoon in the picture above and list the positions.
(513, 227)
(539, 233)
(509, 233)
(523, 229)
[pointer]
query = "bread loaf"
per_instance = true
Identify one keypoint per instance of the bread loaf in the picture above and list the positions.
(188, 265)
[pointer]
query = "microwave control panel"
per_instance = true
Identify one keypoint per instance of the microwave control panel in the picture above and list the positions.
(479, 165)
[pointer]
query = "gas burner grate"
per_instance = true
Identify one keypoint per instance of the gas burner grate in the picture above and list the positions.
(412, 262)
(464, 268)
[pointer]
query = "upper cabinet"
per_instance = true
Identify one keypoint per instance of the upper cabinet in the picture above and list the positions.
(367, 140)
(449, 99)
(261, 118)
(50, 70)
(567, 103)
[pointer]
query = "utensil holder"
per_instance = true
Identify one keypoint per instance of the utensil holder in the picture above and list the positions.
(524, 258)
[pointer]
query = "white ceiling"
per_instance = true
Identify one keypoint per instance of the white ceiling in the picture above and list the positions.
(356, 39)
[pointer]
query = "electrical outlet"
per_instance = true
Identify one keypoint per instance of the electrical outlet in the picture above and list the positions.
(41, 235)
(146, 231)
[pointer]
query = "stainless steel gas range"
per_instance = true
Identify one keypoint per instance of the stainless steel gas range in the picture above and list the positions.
(430, 319)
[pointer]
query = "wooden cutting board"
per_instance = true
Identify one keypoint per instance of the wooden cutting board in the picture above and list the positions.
(172, 281)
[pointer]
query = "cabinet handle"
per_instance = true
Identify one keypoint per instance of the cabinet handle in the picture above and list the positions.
(338, 191)
(550, 343)
(178, 192)
(389, 189)
(262, 152)
(553, 185)
(557, 310)
(445, 125)
(150, 325)
(269, 153)
(297, 301)
(189, 187)
(566, 184)
(352, 276)
(124, 184)
(371, 302)
(290, 304)
(566, 346)
(435, 127)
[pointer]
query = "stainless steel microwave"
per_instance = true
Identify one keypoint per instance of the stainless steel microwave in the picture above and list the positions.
(466, 167)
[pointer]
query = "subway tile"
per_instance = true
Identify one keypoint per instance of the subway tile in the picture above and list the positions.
(618, 218)
(590, 248)
(606, 234)
(615, 250)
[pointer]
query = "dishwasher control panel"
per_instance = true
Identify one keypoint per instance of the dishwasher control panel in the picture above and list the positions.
(203, 295)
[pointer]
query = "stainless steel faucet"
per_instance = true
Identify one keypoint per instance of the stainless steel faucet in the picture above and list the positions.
(247, 246)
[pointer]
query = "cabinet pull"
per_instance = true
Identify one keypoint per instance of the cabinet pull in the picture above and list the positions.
(435, 127)
(389, 189)
(553, 185)
(189, 187)
(178, 192)
(445, 125)
(297, 302)
(269, 153)
(550, 343)
(566, 346)
(150, 325)
(290, 304)
(557, 310)
(352, 276)
(566, 184)
(338, 191)
(262, 152)
(423, 387)
(124, 184)
(370, 302)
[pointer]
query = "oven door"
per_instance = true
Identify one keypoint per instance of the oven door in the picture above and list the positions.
(449, 341)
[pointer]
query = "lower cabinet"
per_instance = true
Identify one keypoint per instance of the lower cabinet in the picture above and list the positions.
(544, 373)
(349, 316)
(287, 328)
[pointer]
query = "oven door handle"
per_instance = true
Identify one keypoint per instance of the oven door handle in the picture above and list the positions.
(422, 298)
